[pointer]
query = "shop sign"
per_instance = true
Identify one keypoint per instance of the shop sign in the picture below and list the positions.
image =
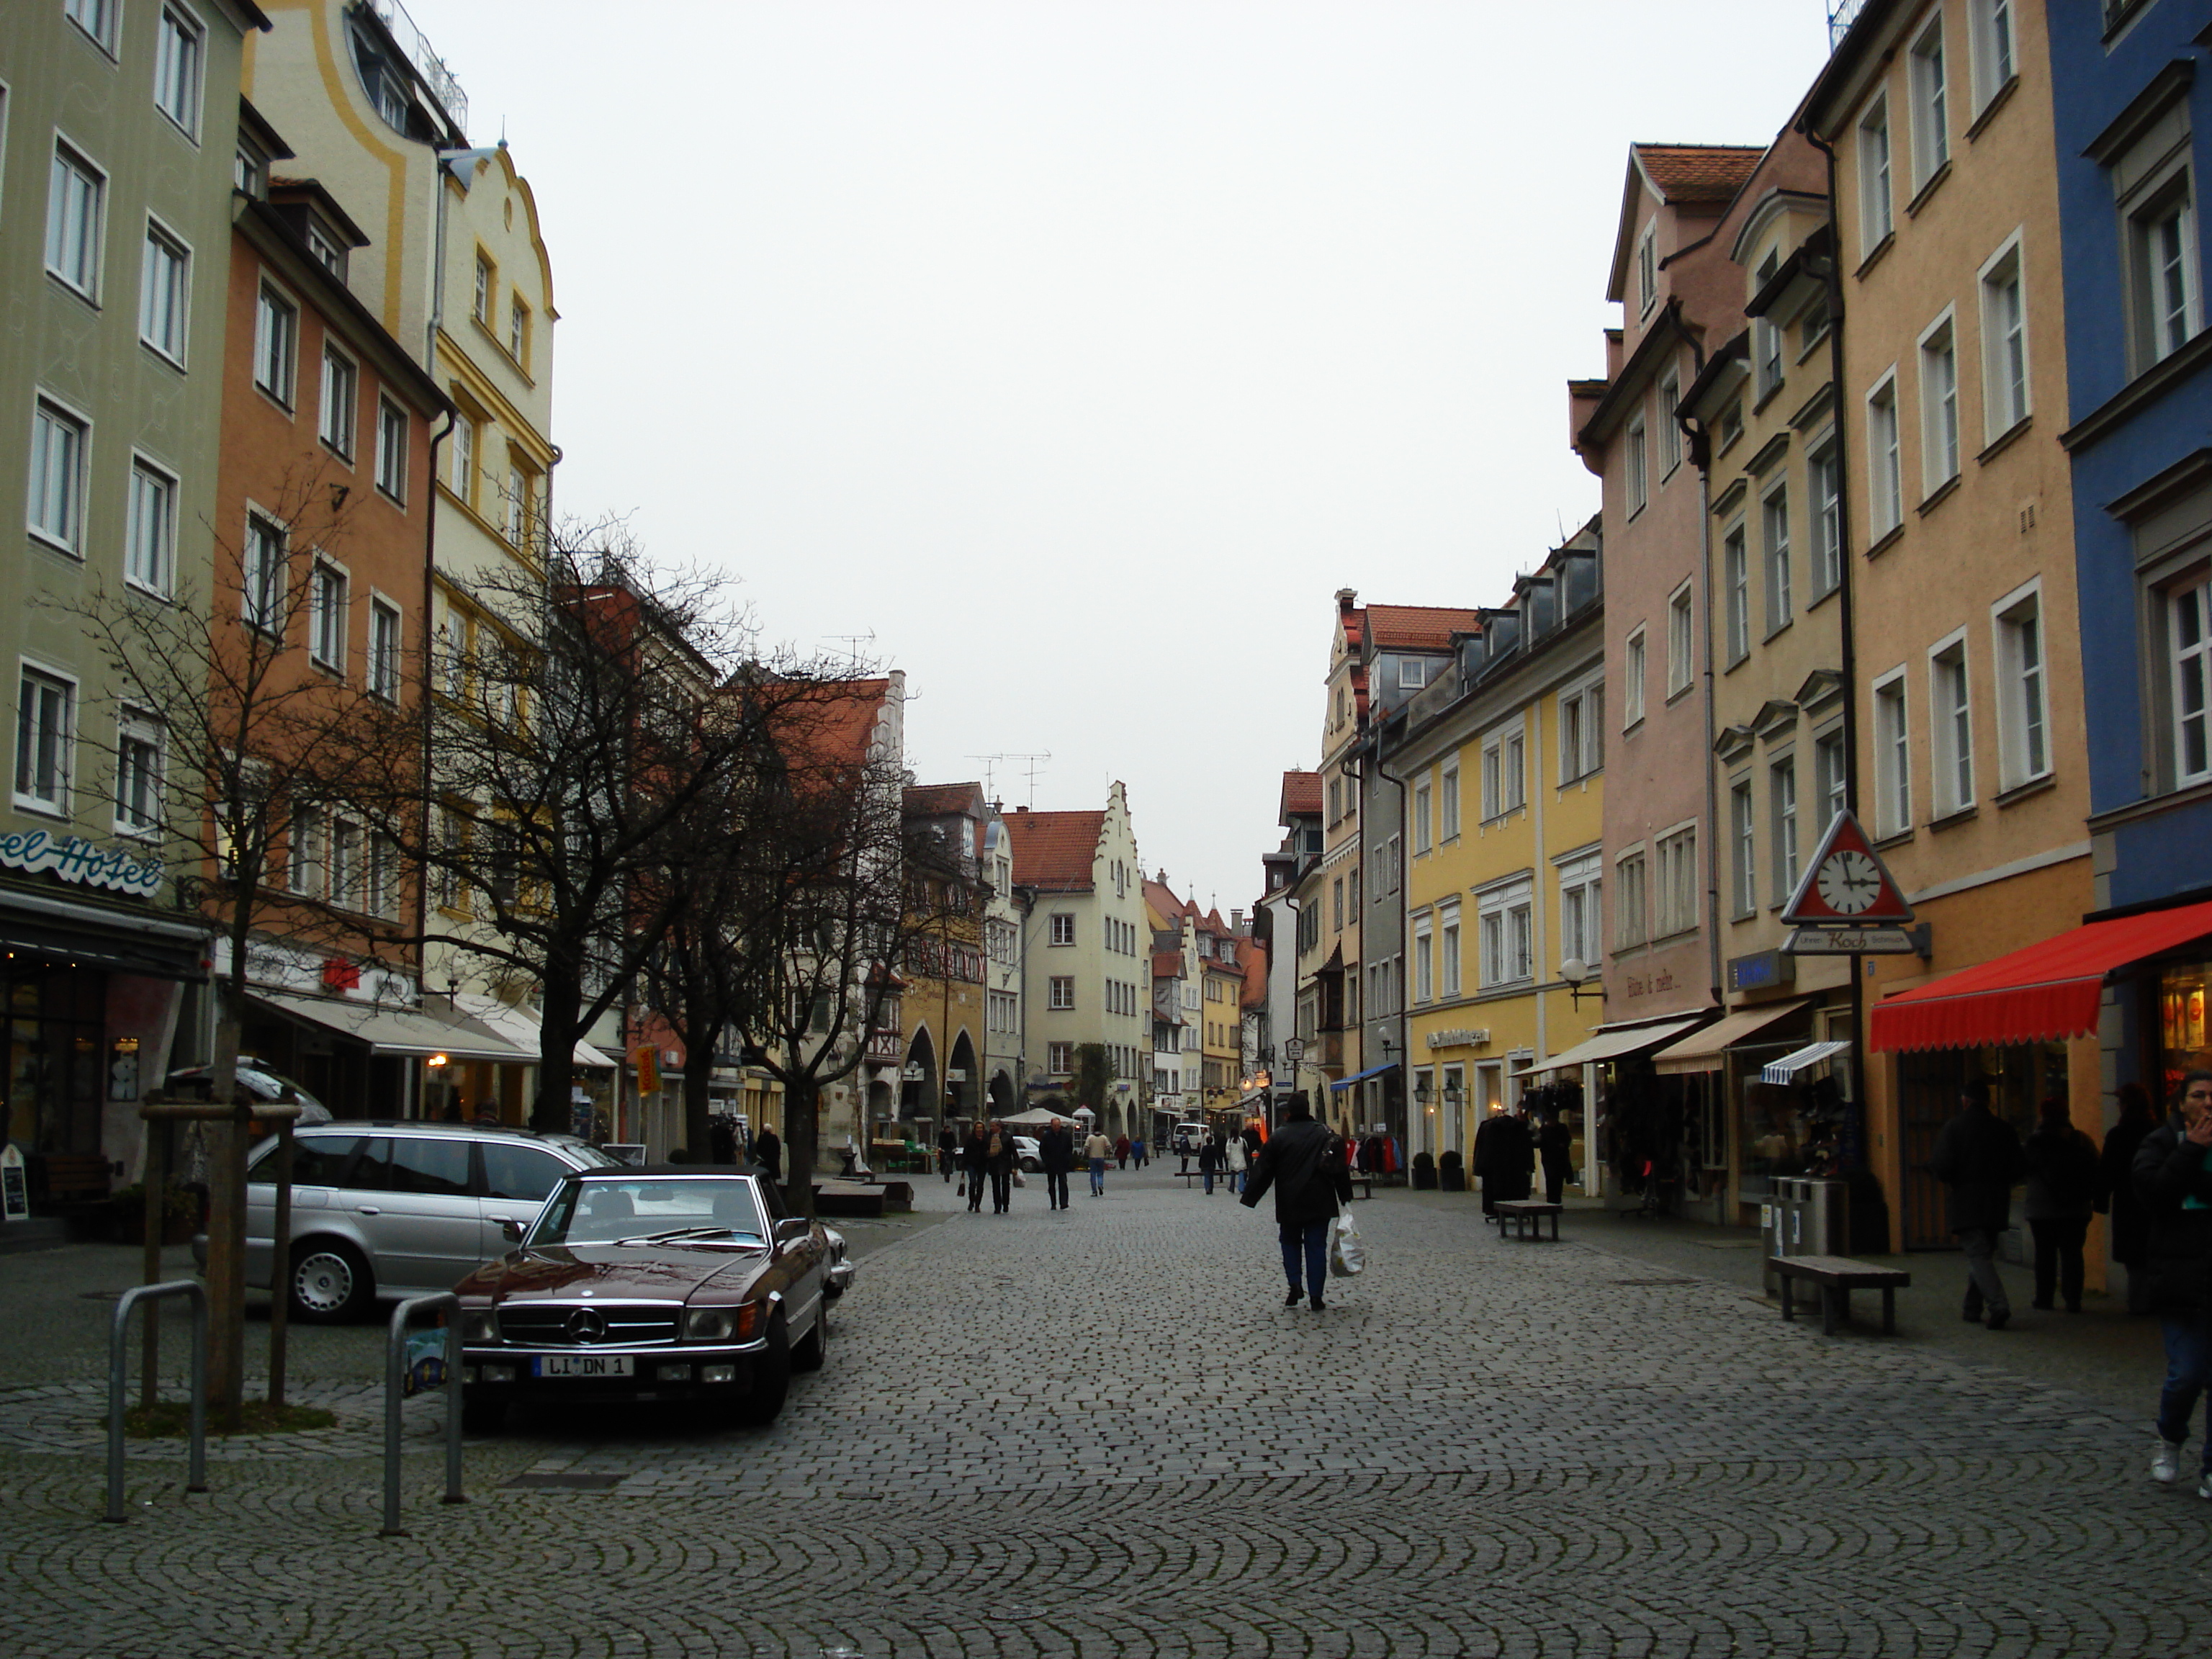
(76, 859)
(1459, 1037)
(14, 1197)
(1762, 969)
(1858, 941)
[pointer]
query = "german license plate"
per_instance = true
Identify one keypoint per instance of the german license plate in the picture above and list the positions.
(580, 1364)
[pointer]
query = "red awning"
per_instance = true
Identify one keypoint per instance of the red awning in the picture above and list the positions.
(2046, 992)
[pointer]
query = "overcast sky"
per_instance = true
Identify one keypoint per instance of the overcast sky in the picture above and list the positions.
(1079, 352)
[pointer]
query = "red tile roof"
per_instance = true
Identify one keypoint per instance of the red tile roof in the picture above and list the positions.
(1301, 794)
(938, 800)
(1418, 627)
(830, 726)
(1697, 172)
(1053, 851)
(1164, 903)
(1167, 964)
(1256, 972)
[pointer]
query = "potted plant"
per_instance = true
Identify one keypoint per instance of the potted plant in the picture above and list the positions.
(180, 1214)
(1451, 1174)
(1425, 1172)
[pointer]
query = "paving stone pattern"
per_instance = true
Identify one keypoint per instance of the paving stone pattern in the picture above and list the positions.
(1099, 1433)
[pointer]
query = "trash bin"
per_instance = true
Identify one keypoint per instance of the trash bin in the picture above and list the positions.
(1805, 1216)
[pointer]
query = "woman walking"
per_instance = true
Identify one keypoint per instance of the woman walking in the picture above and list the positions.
(998, 1151)
(2061, 1187)
(2130, 1227)
(1236, 1154)
(975, 1160)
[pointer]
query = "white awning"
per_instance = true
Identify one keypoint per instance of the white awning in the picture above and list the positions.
(1610, 1043)
(1786, 1068)
(393, 1031)
(1702, 1051)
(519, 1027)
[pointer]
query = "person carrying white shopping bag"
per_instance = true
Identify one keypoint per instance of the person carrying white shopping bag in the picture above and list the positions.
(1304, 1162)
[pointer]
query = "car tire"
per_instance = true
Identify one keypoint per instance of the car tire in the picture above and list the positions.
(771, 1379)
(813, 1347)
(481, 1417)
(1029, 1165)
(330, 1282)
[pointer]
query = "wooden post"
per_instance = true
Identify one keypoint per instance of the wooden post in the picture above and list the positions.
(280, 1263)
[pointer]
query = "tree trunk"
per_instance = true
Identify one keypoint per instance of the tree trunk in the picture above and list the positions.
(558, 1030)
(226, 1268)
(802, 1135)
(698, 1071)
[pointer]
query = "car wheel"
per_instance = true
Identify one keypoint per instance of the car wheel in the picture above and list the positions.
(771, 1378)
(484, 1417)
(330, 1282)
(813, 1347)
(1029, 1165)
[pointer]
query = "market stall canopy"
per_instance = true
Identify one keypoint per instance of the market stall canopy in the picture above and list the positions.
(1702, 1051)
(2039, 995)
(1036, 1118)
(1361, 1077)
(1786, 1069)
(1610, 1042)
(394, 1030)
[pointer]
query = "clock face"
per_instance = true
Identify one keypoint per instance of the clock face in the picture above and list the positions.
(1850, 882)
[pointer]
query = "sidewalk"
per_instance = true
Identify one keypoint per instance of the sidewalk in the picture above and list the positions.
(2102, 1353)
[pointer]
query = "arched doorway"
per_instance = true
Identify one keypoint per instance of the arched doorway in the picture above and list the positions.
(1002, 1094)
(882, 1103)
(918, 1084)
(961, 1087)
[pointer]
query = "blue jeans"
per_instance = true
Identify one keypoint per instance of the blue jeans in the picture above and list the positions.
(1098, 1177)
(1309, 1239)
(1206, 1178)
(2188, 1372)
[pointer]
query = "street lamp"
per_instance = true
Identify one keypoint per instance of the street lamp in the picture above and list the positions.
(1294, 1049)
(1576, 972)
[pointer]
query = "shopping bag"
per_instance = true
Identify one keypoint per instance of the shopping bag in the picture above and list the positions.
(1347, 1253)
(961, 1191)
(1020, 1180)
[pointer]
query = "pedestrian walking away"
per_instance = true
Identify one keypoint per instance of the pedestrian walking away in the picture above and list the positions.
(1978, 1157)
(1097, 1149)
(1056, 1152)
(948, 1151)
(2062, 1196)
(2175, 1185)
(2127, 1228)
(1555, 1151)
(1138, 1152)
(999, 1152)
(978, 1158)
(767, 1153)
(1304, 1163)
(1209, 1161)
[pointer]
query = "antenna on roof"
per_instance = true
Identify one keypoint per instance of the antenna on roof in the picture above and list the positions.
(855, 641)
(1035, 765)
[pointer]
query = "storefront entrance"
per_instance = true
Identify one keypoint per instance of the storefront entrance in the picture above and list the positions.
(56, 1055)
(1927, 1085)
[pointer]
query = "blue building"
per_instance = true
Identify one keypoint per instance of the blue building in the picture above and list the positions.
(2132, 88)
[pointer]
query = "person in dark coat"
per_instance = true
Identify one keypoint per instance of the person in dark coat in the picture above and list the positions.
(1978, 1157)
(1056, 1152)
(999, 1154)
(1304, 1163)
(2126, 1225)
(1505, 1158)
(2175, 1186)
(2062, 1196)
(767, 1153)
(1209, 1162)
(948, 1152)
(977, 1157)
(1555, 1150)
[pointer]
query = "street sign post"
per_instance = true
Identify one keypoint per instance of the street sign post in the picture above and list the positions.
(1858, 941)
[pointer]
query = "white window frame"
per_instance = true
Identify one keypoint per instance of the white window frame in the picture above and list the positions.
(179, 66)
(1631, 920)
(2007, 383)
(139, 737)
(518, 330)
(1582, 729)
(1636, 666)
(165, 292)
(30, 733)
(1413, 673)
(338, 419)
(1670, 428)
(1448, 959)
(76, 223)
(2155, 187)
(1059, 993)
(329, 604)
(388, 644)
(1505, 770)
(1678, 880)
(1928, 74)
(1890, 697)
(96, 19)
(2020, 649)
(1735, 589)
(1581, 879)
(2189, 674)
(54, 507)
(1950, 725)
(1647, 269)
(1765, 336)
(1424, 940)
(1830, 777)
(1681, 639)
(1940, 447)
(276, 343)
(1995, 48)
(1877, 185)
(1506, 910)
(1061, 927)
(465, 460)
(1782, 823)
(391, 449)
(1824, 508)
(1743, 849)
(1637, 476)
(1885, 458)
(149, 542)
(1424, 796)
(263, 583)
(1774, 556)
(1448, 805)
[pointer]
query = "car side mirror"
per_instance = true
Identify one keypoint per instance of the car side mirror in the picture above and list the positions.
(793, 1230)
(509, 1228)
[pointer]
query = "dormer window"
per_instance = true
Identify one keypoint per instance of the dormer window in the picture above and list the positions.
(1647, 269)
(249, 171)
(328, 250)
(1413, 673)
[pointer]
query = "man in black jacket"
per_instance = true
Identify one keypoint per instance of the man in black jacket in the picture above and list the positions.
(2176, 1189)
(1978, 1157)
(1056, 1152)
(1304, 1161)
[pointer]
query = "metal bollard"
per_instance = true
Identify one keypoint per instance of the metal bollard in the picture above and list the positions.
(117, 1338)
(395, 1369)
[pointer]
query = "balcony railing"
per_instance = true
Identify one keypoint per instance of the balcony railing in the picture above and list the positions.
(432, 67)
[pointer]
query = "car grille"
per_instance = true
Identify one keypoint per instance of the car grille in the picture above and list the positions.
(546, 1324)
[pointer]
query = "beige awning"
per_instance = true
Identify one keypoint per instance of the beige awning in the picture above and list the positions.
(1610, 1042)
(1703, 1053)
(390, 1030)
(519, 1027)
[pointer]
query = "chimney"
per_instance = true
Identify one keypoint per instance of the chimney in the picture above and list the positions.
(1347, 601)
(1236, 921)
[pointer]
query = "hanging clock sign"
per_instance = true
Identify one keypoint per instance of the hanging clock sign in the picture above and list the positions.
(1846, 885)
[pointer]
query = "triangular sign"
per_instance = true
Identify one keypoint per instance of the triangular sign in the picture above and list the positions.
(1845, 885)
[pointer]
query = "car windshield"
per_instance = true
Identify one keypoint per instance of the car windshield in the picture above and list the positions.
(683, 1209)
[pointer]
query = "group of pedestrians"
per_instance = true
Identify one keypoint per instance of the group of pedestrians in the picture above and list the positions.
(1226, 1158)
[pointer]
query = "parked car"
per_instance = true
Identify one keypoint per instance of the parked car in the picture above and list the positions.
(1188, 1137)
(1028, 1154)
(392, 1210)
(841, 1269)
(660, 1283)
(259, 1081)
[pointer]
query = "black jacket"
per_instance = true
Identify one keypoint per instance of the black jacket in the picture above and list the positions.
(975, 1153)
(1978, 1157)
(2115, 1182)
(2169, 1172)
(2061, 1175)
(1056, 1151)
(1304, 1161)
(1209, 1157)
(767, 1153)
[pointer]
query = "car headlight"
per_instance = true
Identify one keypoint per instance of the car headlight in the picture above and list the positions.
(837, 1243)
(480, 1325)
(710, 1324)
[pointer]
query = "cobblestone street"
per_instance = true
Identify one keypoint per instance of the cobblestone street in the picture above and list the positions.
(1099, 1432)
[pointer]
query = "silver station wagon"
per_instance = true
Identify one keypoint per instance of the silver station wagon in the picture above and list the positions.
(382, 1211)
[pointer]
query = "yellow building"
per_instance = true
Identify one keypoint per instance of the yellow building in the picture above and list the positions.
(1502, 761)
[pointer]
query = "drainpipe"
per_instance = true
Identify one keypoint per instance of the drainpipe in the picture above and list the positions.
(1405, 1037)
(429, 683)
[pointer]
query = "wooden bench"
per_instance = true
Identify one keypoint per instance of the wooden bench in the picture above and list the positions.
(69, 1177)
(1526, 1213)
(1838, 1276)
(1365, 1183)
